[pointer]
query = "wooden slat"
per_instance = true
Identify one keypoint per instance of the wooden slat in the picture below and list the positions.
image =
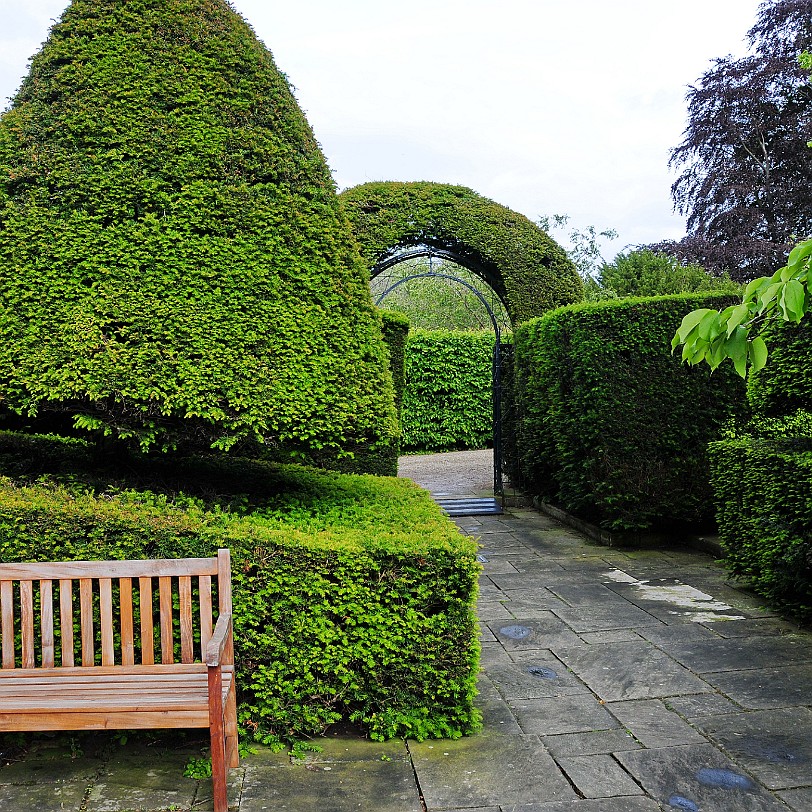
(75, 570)
(106, 616)
(165, 591)
(88, 720)
(27, 623)
(125, 600)
(205, 611)
(66, 621)
(147, 641)
(186, 629)
(46, 617)
(7, 622)
(224, 593)
(86, 620)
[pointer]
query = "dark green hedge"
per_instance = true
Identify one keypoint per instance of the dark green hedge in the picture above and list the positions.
(353, 594)
(785, 383)
(529, 271)
(174, 262)
(448, 399)
(763, 492)
(395, 333)
(612, 426)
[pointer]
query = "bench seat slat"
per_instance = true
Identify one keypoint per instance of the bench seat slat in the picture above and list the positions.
(75, 570)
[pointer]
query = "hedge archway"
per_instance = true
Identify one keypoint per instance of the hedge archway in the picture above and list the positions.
(525, 267)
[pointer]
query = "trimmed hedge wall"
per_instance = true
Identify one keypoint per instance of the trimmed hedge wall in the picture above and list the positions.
(785, 384)
(763, 492)
(395, 328)
(529, 271)
(175, 266)
(353, 595)
(611, 425)
(448, 399)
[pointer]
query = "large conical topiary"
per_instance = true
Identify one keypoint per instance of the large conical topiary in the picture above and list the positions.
(173, 259)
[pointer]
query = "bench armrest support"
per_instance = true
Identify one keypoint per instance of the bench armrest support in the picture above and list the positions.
(223, 634)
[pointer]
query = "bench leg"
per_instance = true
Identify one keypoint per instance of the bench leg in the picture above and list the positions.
(218, 754)
(231, 746)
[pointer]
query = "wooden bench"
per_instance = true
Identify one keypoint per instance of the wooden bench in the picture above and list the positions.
(97, 670)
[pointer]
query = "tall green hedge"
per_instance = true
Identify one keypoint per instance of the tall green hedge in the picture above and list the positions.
(396, 334)
(174, 262)
(612, 426)
(763, 492)
(529, 271)
(448, 398)
(353, 595)
(784, 385)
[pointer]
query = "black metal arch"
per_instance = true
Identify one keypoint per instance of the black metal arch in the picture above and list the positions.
(425, 249)
(498, 485)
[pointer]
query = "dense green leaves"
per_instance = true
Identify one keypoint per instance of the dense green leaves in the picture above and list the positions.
(174, 263)
(448, 398)
(526, 268)
(611, 426)
(764, 509)
(353, 595)
(733, 332)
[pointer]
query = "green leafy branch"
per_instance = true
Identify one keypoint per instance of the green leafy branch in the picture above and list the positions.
(712, 335)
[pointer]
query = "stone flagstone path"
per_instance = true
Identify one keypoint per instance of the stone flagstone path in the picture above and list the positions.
(613, 681)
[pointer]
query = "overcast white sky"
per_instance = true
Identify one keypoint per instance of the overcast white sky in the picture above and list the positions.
(546, 106)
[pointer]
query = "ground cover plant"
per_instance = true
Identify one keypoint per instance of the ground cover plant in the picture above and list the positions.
(353, 595)
(175, 268)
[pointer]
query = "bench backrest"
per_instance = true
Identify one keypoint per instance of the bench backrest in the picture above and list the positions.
(118, 605)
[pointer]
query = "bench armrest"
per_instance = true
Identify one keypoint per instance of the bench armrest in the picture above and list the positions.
(222, 635)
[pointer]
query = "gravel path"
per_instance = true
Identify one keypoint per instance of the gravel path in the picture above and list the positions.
(453, 473)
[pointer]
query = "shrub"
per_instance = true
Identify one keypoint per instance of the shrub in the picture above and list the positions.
(646, 273)
(353, 595)
(175, 266)
(448, 399)
(395, 334)
(763, 492)
(612, 426)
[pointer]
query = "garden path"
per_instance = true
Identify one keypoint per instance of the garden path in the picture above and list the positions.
(614, 680)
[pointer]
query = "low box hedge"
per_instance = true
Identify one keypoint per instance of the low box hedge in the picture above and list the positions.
(763, 490)
(353, 595)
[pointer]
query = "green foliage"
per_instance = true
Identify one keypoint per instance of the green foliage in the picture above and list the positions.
(713, 336)
(434, 303)
(174, 263)
(646, 273)
(764, 511)
(523, 265)
(395, 328)
(353, 595)
(585, 248)
(611, 426)
(448, 400)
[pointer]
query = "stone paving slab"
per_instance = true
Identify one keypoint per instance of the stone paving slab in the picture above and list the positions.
(599, 776)
(653, 724)
(625, 804)
(775, 746)
(597, 742)
(799, 800)
(765, 687)
(487, 770)
(736, 654)
(562, 714)
(630, 671)
(65, 797)
(523, 634)
(697, 778)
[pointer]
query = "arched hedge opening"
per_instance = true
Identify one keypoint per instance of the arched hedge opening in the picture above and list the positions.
(526, 268)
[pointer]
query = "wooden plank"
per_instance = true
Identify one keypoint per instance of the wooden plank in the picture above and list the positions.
(205, 612)
(86, 621)
(75, 570)
(106, 617)
(165, 592)
(89, 720)
(66, 621)
(46, 619)
(125, 601)
(186, 628)
(147, 641)
(7, 622)
(27, 624)
(224, 592)
(97, 671)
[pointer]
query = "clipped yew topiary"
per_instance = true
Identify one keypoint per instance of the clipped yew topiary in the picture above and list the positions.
(174, 262)
(528, 270)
